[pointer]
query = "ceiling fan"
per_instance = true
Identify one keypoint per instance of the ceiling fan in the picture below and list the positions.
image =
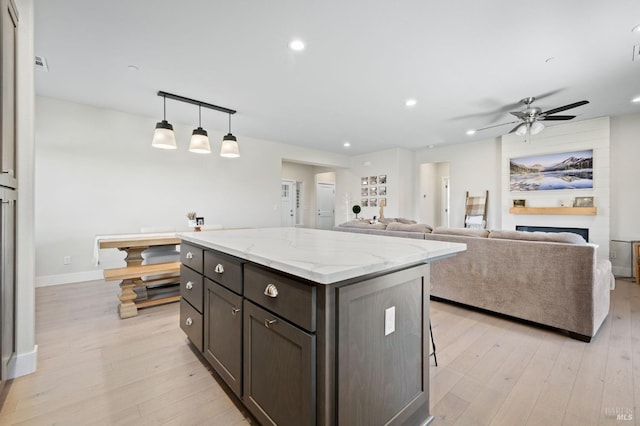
(529, 119)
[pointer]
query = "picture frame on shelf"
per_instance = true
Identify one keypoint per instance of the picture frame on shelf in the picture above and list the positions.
(199, 221)
(519, 203)
(583, 202)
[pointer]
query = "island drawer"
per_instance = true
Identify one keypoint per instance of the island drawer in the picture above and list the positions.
(223, 269)
(191, 256)
(292, 300)
(191, 323)
(191, 287)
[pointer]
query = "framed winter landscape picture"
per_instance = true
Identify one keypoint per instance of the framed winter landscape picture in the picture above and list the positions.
(567, 170)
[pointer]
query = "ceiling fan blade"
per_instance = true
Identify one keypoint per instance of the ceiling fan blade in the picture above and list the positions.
(519, 114)
(515, 128)
(557, 117)
(496, 125)
(566, 107)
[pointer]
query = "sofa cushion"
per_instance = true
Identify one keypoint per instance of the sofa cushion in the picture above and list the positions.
(549, 237)
(409, 227)
(363, 224)
(465, 232)
(406, 221)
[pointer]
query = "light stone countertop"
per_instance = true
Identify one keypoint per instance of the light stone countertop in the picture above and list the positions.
(324, 257)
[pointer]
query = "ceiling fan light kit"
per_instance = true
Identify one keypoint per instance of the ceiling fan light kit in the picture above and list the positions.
(199, 143)
(529, 119)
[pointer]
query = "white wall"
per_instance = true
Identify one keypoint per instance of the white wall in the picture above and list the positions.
(25, 246)
(473, 167)
(624, 199)
(397, 164)
(96, 173)
(580, 135)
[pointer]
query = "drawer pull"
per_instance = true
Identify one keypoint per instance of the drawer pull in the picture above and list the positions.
(271, 290)
(188, 285)
(219, 269)
(188, 322)
(189, 255)
(235, 310)
(267, 322)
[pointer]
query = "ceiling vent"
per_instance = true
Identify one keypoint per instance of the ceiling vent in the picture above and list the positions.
(41, 64)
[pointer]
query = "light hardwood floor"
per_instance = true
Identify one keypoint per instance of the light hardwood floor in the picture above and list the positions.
(94, 368)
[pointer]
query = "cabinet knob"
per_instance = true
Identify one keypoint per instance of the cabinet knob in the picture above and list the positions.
(189, 321)
(188, 285)
(189, 255)
(271, 290)
(219, 269)
(267, 322)
(235, 310)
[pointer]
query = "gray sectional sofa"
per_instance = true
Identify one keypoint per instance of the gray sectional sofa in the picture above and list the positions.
(553, 279)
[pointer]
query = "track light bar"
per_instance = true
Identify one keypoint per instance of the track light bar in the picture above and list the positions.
(195, 102)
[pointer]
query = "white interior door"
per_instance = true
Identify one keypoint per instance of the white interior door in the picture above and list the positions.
(445, 209)
(288, 210)
(325, 194)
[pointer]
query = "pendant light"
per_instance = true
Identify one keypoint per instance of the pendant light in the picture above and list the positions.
(199, 142)
(163, 136)
(229, 146)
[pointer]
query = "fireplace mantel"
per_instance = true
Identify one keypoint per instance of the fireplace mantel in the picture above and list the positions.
(554, 210)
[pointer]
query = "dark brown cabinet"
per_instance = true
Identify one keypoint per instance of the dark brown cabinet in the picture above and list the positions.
(279, 369)
(296, 352)
(223, 334)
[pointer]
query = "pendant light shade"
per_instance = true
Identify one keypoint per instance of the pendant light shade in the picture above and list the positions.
(163, 136)
(199, 142)
(522, 129)
(229, 148)
(536, 127)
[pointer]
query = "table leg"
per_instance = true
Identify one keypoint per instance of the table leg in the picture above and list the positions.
(127, 307)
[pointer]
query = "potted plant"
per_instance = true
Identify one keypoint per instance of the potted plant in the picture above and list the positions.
(192, 221)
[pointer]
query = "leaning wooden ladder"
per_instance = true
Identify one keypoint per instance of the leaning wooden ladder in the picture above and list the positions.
(475, 212)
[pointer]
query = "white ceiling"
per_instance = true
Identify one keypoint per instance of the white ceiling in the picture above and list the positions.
(467, 62)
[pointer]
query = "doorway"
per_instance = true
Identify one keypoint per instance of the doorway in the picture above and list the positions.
(325, 195)
(433, 205)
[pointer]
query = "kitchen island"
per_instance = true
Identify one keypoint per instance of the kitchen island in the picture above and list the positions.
(312, 327)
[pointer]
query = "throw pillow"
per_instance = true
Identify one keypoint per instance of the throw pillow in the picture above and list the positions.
(549, 237)
(409, 227)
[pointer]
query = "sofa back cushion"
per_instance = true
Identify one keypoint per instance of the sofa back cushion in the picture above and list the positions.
(409, 227)
(363, 224)
(548, 237)
(463, 232)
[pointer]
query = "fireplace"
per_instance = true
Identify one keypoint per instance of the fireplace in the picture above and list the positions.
(584, 232)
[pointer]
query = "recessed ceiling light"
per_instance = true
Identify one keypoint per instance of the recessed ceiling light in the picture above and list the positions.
(346, 144)
(471, 132)
(636, 29)
(636, 100)
(296, 45)
(411, 103)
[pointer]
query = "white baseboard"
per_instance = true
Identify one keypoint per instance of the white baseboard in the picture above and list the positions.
(74, 277)
(23, 364)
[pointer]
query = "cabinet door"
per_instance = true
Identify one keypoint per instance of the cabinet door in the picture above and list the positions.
(279, 369)
(223, 334)
(7, 280)
(8, 31)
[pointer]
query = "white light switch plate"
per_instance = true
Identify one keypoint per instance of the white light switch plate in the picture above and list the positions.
(389, 320)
